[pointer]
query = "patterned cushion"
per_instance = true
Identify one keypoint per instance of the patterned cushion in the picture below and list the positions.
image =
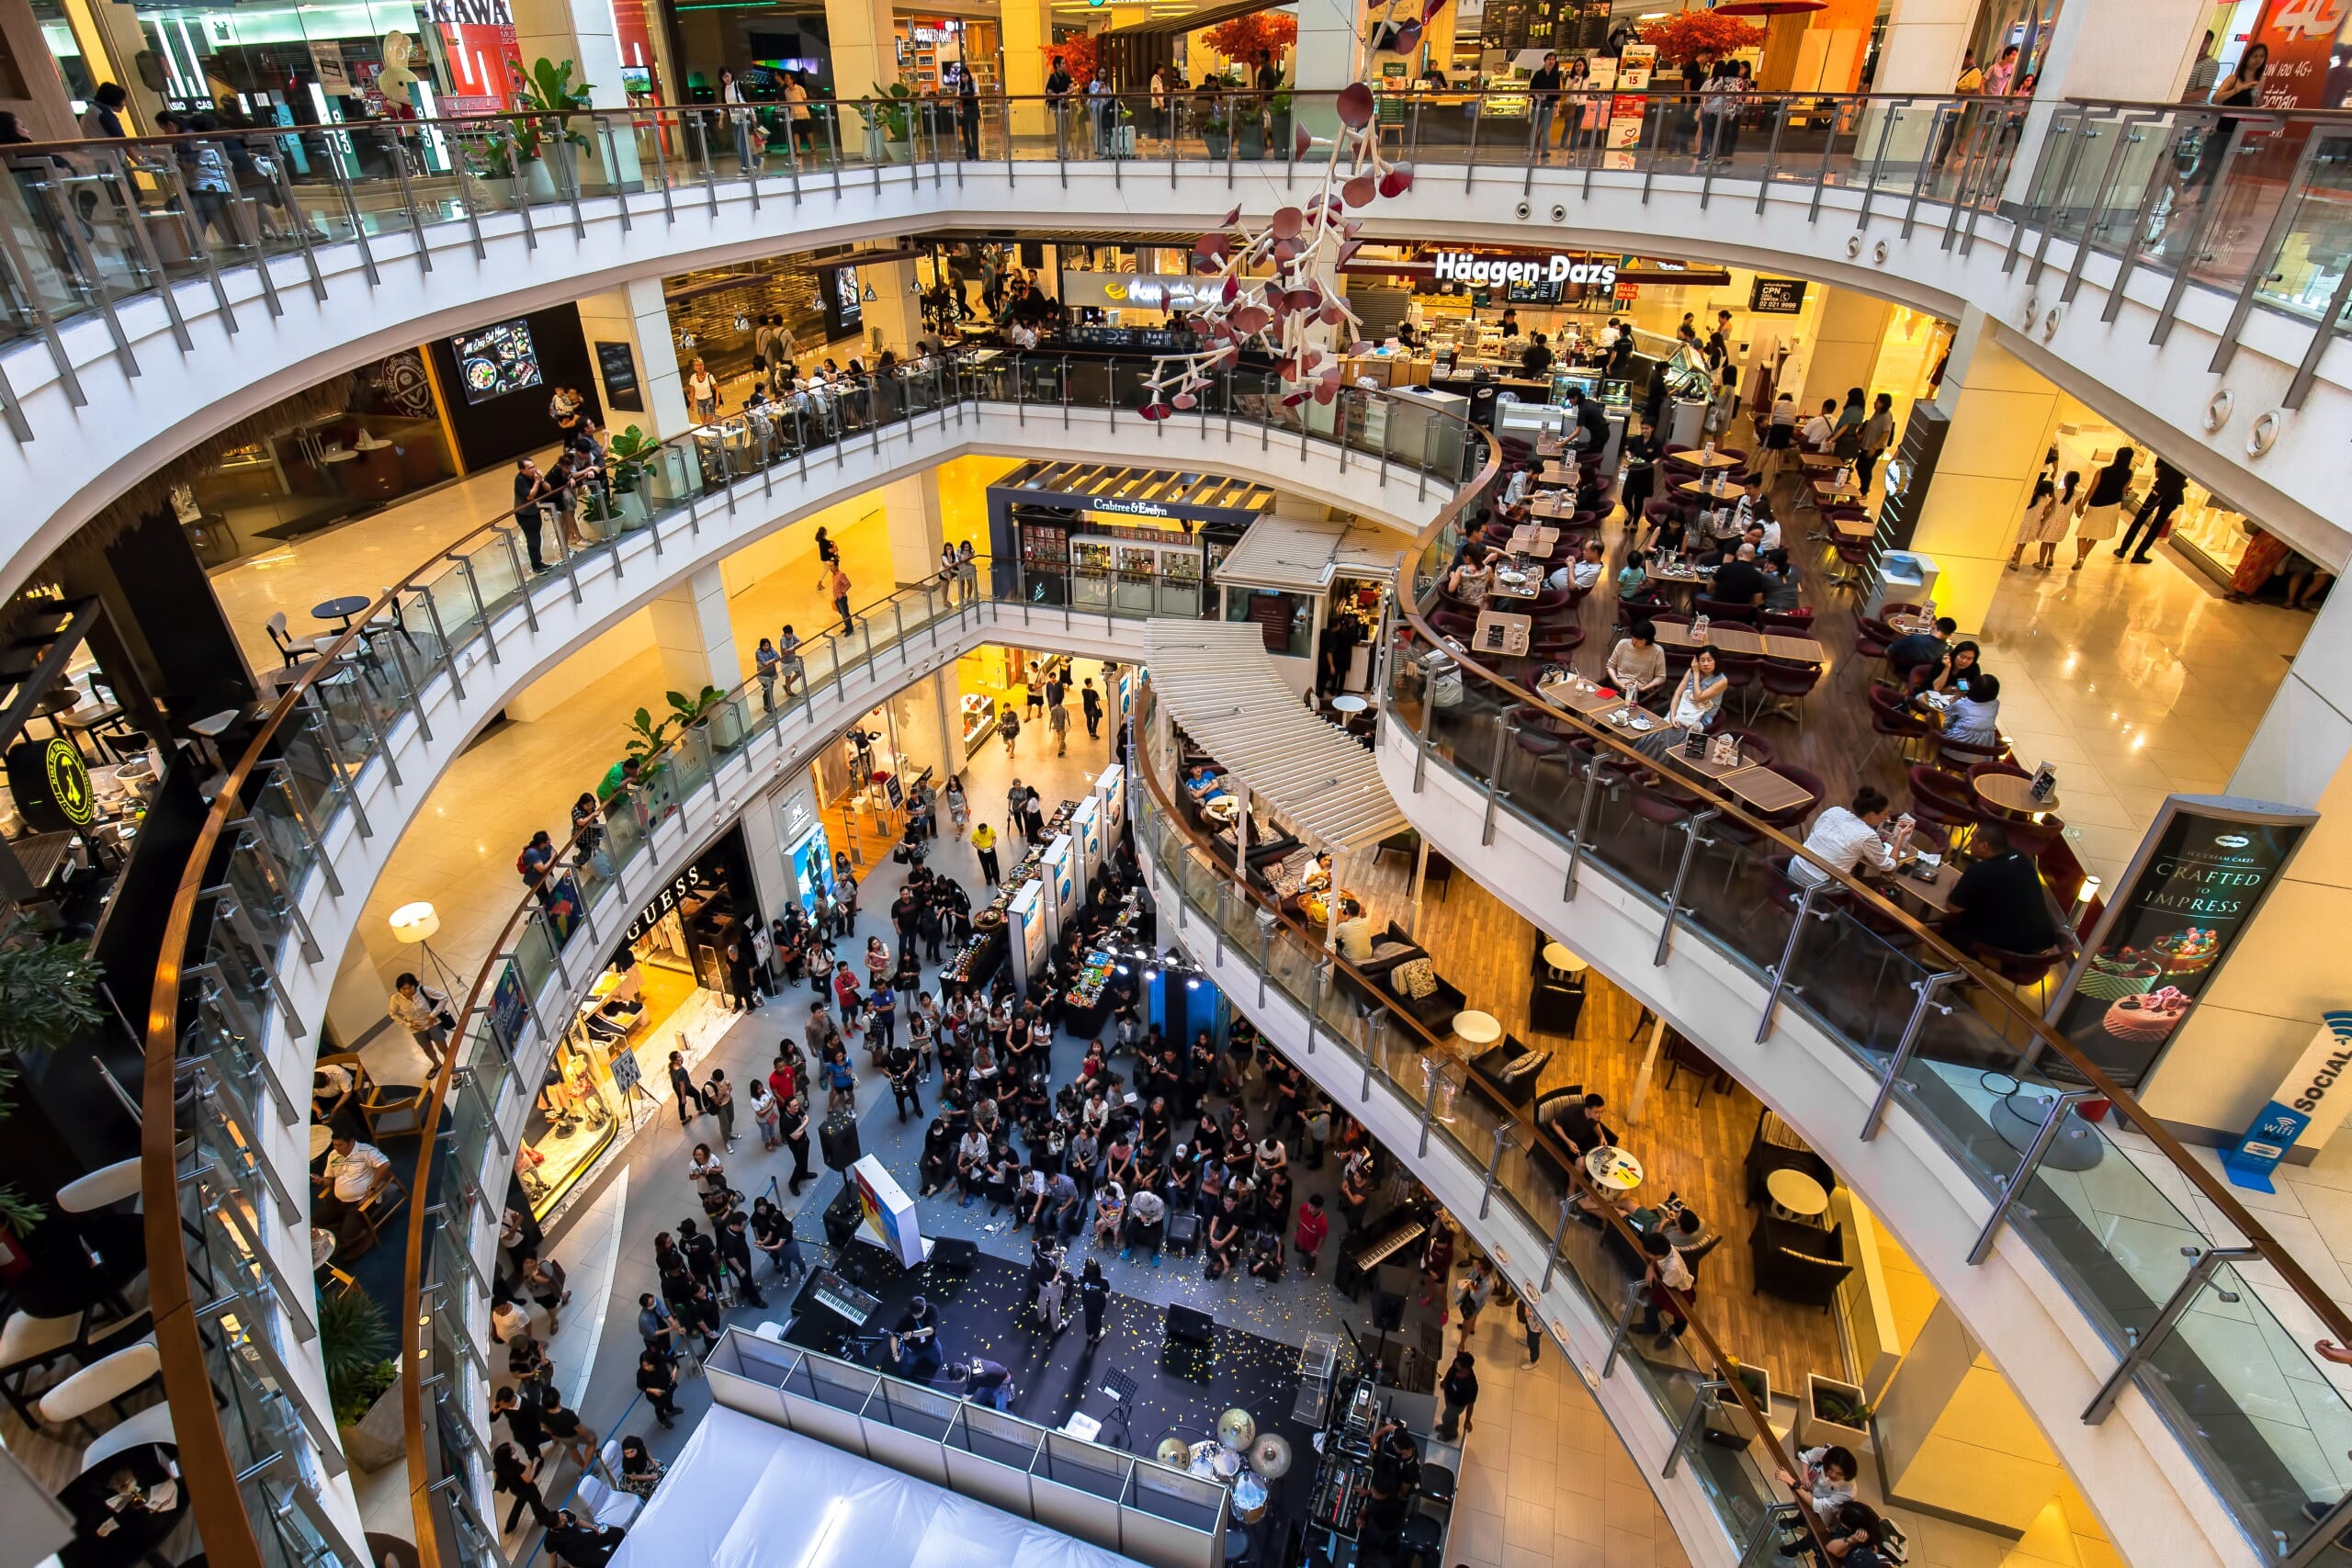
(1415, 977)
(1385, 950)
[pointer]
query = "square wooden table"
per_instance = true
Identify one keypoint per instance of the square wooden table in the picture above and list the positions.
(1935, 894)
(1559, 694)
(1532, 585)
(1550, 446)
(1676, 634)
(1705, 460)
(1820, 462)
(1705, 489)
(1726, 637)
(1551, 506)
(1855, 530)
(1502, 633)
(1829, 490)
(1530, 540)
(1706, 769)
(1766, 790)
(1802, 649)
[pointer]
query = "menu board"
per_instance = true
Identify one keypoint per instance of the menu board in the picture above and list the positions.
(1776, 295)
(496, 361)
(2191, 891)
(616, 362)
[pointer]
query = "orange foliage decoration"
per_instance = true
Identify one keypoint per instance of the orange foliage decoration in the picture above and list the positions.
(1241, 38)
(1077, 57)
(1680, 38)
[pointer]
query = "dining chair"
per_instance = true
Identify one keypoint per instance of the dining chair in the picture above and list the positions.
(1788, 680)
(1938, 800)
(104, 1383)
(1661, 811)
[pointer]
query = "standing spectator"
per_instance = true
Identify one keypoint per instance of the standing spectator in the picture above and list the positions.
(701, 390)
(838, 586)
(2166, 492)
(518, 1478)
(1470, 1296)
(767, 1112)
(658, 1380)
(1460, 1387)
(1089, 701)
(718, 1099)
(765, 664)
(1094, 1299)
(1314, 1229)
(1008, 728)
(1058, 717)
(795, 1138)
(1531, 1327)
(681, 1084)
(530, 513)
(984, 845)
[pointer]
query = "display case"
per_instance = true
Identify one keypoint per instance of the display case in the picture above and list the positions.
(978, 715)
(2211, 535)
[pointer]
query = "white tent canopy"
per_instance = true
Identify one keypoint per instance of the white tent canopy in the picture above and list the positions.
(1303, 554)
(749, 1494)
(1216, 682)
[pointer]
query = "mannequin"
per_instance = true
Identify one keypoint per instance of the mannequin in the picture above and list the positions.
(396, 81)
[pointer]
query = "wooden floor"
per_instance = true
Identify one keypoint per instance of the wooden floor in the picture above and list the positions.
(1691, 1140)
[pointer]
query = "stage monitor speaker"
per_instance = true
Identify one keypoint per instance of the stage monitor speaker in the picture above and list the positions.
(1388, 1310)
(838, 1134)
(842, 1217)
(953, 1254)
(1189, 1325)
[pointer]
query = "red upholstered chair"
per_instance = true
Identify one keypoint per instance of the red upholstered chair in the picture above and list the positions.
(1789, 681)
(1889, 720)
(1937, 799)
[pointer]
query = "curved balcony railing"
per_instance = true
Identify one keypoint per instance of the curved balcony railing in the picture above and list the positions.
(236, 920)
(2247, 203)
(1931, 1024)
(1521, 1163)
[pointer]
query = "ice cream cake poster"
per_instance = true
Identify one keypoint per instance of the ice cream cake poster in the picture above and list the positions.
(2192, 889)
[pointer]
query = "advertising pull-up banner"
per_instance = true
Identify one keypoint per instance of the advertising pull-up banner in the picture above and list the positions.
(2192, 889)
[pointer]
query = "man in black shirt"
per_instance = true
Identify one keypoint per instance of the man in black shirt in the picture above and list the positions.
(1591, 432)
(529, 489)
(1574, 1122)
(906, 1081)
(578, 1544)
(1545, 86)
(1921, 647)
(1739, 581)
(1270, 75)
(2000, 900)
(915, 1341)
(1536, 361)
(1061, 89)
(2166, 492)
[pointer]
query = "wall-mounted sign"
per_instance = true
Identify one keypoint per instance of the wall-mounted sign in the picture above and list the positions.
(51, 785)
(1130, 508)
(1469, 267)
(1141, 290)
(671, 894)
(2191, 891)
(1776, 295)
(616, 362)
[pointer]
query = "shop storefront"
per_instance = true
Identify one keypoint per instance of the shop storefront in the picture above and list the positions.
(665, 990)
(1316, 587)
(1104, 537)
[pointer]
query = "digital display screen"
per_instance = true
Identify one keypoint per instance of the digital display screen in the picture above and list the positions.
(496, 361)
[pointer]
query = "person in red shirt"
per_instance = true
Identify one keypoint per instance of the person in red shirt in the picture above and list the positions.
(782, 1080)
(1313, 1228)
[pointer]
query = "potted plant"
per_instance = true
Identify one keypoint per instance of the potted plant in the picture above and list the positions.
(1217, 131)
(1833, 1412)
(708, 710)
(547, 101)
(889, 124)
(631, 455)
(47, 998)
(1278, 119)
(363, 1383)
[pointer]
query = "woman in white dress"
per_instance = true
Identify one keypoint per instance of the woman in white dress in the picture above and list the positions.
(2047, 517)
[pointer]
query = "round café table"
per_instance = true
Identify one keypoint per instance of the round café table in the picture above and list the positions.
(321, 1139)
(341, 610)
(1798, 1193)
(1560, 959)
(1612, 1170)
(1477, 1028)
(1348, 702)
(2012, 793)
(129, 1535)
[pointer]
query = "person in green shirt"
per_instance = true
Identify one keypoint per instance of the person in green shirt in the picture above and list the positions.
(617, 777)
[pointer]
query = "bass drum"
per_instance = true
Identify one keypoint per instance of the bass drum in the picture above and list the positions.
(1249, 1495)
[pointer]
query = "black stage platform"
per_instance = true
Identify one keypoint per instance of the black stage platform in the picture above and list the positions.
(1179, 1387)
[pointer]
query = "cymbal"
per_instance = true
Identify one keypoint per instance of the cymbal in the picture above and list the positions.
(1174, 1450)
(1271, 1457)
(1234, 1428)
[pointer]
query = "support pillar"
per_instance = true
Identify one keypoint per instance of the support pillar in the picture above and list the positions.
(1028, 28)
(580, 31)
(111, 43)
(42, 109)
(1324, 60)
(636, 314)
(2127, 50)
(1924, 41)
(894, 316)
(910, 510)
(1845, 347)
(696, 635)
(2003, 413)
(864, 48)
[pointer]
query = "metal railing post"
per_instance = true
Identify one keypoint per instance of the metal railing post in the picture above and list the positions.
(1691, 844)
(1779, 973)
(1582, 832)
(1494, 1166)
(2061, 1105)
(2145, 1345)
(1421, 736)
(1927, 989)
(1622, 1334)
(1693, 1422)
(1503, 726)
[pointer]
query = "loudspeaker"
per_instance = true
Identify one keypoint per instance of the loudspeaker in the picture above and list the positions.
(838, 1134)
(1194, 1327)
(1388, 1310)
(842, 1217)
(952, 1254)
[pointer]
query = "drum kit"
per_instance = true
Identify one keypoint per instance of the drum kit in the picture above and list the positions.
(1238, 1455)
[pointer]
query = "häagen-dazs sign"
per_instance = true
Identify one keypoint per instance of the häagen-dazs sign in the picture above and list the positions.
(1466, 266)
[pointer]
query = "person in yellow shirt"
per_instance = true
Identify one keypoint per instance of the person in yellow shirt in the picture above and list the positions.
(984, 844)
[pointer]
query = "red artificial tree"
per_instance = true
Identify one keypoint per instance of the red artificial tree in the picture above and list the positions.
(1077, 57)
(1240, 38)
(1680, 37)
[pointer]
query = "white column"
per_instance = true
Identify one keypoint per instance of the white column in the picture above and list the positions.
(1324, 60)
(696, 635)
(636, 314)
(577, 30)
(1028, 25)
(865, 51)
(911, 509)
(896, 311)
(2003, 413)
(1921, 49)
(2264, 1007)
(1844, 346)
(2109, 49)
